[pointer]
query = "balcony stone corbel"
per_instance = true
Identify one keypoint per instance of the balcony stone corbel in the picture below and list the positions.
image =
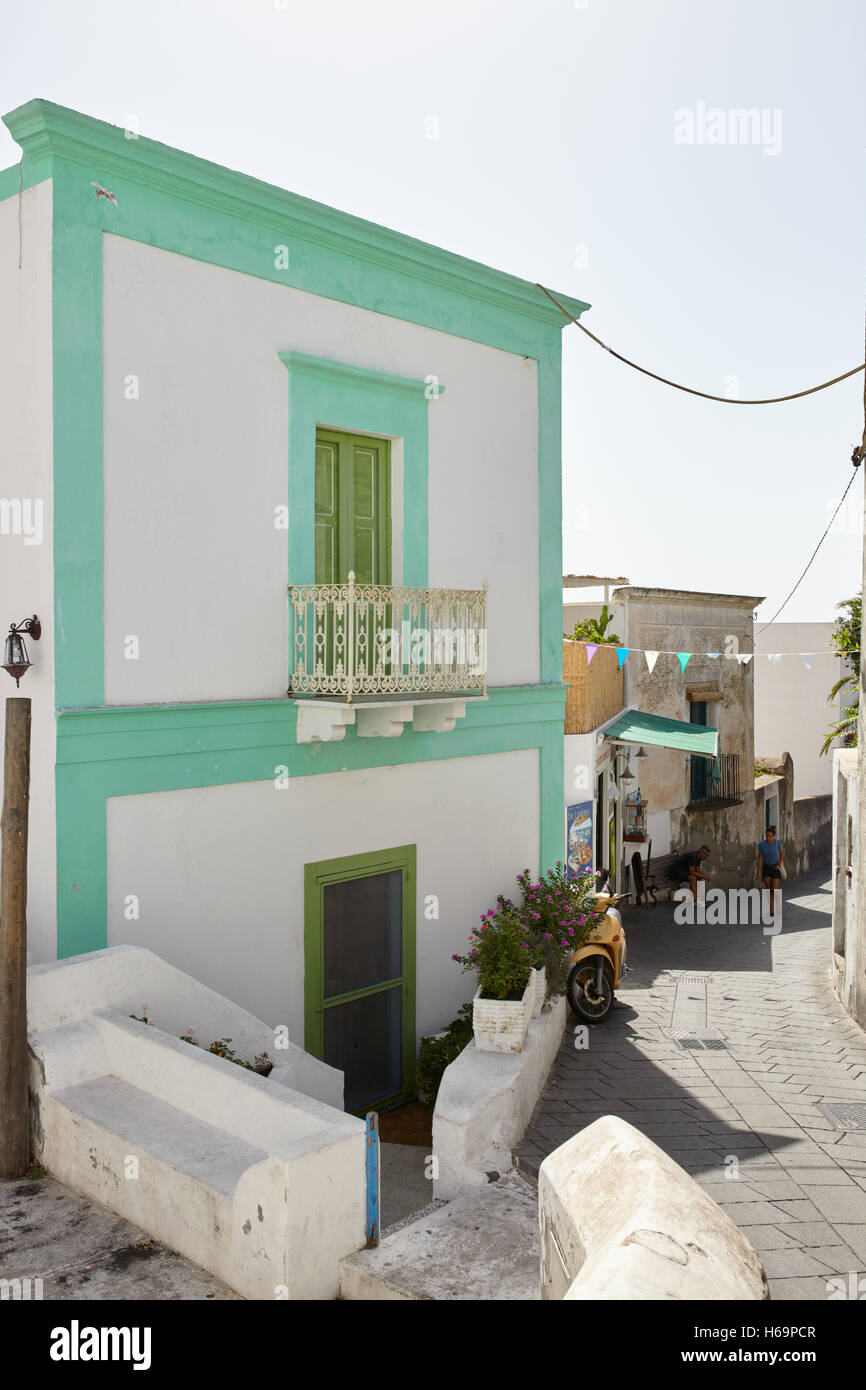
(438, 718)
(383, 721)
(320, 723)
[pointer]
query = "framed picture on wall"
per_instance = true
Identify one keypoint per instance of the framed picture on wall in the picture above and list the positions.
(579, 838)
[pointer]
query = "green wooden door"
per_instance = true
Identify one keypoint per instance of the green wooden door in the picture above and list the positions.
(359, 978)
(353, 508)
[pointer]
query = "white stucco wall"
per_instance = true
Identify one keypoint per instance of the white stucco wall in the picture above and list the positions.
(195, 467)
(26, 563)
(792, 714)
(219, 872)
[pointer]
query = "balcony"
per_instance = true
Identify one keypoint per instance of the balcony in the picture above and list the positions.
(715, 782)
(380, 656)
(595, 688)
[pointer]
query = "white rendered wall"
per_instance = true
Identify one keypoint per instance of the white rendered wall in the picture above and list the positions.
(791, 710)
(26, 563)
(194, 468)
(219, 871)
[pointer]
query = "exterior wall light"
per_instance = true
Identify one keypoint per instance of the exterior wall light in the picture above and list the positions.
(16, 661)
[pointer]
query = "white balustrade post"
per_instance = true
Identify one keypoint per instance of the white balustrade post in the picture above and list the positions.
(350, 637)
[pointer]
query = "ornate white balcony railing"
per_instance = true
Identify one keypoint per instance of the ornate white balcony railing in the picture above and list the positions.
(375, 639)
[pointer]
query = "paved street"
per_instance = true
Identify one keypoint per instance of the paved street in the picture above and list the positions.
(742, 1117)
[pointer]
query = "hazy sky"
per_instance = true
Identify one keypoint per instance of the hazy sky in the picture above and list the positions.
(550, 138)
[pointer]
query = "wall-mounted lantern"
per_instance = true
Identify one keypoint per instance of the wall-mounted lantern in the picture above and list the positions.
(15, 660)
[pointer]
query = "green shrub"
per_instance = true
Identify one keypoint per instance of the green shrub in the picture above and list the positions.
(435, 1054)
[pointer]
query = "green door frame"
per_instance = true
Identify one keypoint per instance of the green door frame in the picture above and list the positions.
(316, 876)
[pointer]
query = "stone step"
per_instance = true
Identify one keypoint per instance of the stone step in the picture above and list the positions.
(207, 1155)
(482, 1246)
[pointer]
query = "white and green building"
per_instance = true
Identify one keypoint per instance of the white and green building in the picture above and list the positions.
(219, 401)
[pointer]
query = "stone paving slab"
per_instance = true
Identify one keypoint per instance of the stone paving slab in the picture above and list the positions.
(743, 1121)
(82, 1251)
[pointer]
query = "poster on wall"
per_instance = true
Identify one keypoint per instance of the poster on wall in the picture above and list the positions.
(579, 838)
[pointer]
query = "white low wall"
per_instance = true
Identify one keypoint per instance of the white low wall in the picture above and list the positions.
(485, 1102)
(126, 978)
(256, 1182)
(619, 1219)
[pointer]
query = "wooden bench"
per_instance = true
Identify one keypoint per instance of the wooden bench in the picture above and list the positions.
(650, 876)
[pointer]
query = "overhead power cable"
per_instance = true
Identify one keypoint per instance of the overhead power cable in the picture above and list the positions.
(811, 558)
(857, 457)
(725, 400)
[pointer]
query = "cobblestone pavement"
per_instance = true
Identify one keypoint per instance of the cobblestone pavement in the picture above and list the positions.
(743, 1119)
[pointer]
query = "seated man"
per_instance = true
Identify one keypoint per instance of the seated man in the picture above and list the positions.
(688, 867)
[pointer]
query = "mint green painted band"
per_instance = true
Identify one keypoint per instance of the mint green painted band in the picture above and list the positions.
(126, 752)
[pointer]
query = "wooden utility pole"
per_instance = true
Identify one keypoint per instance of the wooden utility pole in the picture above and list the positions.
(14, 1100)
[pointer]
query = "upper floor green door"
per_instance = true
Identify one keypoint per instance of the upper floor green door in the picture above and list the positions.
(353, 508)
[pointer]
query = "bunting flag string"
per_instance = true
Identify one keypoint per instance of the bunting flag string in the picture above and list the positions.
(743, 658)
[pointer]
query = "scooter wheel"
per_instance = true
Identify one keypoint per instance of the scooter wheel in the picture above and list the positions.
(582, 998)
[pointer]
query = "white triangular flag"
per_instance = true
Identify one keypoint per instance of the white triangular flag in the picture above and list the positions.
(774, 657)
(651, 659)
(744, 657)
(807, 658)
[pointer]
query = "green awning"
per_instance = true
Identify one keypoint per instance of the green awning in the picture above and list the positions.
(636, 727)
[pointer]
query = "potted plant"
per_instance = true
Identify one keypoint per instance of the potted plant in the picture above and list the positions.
(504, 960)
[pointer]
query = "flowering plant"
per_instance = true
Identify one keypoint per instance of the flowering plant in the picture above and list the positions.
(559, 914)
(501, 953)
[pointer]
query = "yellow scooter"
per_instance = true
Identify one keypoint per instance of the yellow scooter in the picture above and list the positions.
(598, 965)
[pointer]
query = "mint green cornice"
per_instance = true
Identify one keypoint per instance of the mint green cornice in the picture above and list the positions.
(47, 132)
(344, 374)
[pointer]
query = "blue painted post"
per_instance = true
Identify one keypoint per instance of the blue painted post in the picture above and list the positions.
(372, 1173)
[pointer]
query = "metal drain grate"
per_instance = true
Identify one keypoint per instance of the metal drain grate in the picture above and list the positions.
(845, 1114)
(692, 979)
(697, 1039)
(703, 1034)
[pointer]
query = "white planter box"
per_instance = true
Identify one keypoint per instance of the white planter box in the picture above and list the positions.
(539, 979)
(501, 1025)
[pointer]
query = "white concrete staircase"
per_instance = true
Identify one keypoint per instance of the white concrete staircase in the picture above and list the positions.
(481, 1246)
(255, 1181)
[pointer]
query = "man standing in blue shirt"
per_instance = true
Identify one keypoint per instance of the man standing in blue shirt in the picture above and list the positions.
(770, 856)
